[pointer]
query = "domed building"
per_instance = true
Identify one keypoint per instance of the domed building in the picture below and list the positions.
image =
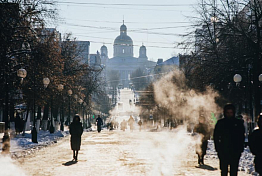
(123, 44)
(124, 61)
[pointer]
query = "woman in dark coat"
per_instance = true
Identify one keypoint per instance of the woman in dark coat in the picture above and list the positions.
(76, 130)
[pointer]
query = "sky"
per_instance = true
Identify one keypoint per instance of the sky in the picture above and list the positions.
(156, 24)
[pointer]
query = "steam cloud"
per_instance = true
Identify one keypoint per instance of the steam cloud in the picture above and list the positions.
(172, 93)
(8, 167)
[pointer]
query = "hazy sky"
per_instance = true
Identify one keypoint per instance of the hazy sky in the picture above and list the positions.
(156, 24)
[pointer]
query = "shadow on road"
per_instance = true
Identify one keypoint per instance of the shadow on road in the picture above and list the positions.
(69, 163)
(206, 167)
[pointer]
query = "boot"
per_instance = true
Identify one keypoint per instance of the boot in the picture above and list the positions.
(202, 161)
(76, 158)
(198, 161)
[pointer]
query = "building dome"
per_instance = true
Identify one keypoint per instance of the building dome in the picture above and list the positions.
(123, 44)
(142, 47)
(123, 40)
(103, 47)
(123, 28)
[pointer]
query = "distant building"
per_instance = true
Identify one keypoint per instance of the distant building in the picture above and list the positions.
(163, 67)
(124, 61)
(83, 47)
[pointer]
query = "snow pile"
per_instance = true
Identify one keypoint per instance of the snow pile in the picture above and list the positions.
(23, 145)
(43, 137)
(8, 168)
(245, 162)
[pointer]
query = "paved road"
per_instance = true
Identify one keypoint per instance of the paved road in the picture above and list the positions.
(121, 153)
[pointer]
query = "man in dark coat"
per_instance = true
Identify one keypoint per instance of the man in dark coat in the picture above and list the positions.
(203, 130)
(76, 131)
(229, 137)
(99, 123)
(255, 145)
(18, 124)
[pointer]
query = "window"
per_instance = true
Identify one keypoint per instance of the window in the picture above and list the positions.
(123, 50)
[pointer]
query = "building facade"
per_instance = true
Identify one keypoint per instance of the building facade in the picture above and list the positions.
(123, 60)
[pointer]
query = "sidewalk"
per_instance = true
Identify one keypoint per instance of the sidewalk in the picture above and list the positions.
(23, 145)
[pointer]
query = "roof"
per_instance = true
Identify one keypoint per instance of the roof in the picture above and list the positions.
(123, 39)
(171, 61)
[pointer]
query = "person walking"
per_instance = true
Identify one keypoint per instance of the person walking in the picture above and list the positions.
(203, 130)
(99, 123)
(140, 124)
(76, 131)
(18, 124)
(255, 145)
(131, 122)
(229, 137)
(123, 125)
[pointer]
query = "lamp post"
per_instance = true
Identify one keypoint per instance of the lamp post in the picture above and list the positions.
(69, 92)
(75, 108)
(84, 115)
(60, 88)
(51, 128)
(80, 101)
(237, 79)
(21, 73)
(46, 82)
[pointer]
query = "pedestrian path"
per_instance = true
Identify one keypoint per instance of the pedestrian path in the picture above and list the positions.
(112, 153)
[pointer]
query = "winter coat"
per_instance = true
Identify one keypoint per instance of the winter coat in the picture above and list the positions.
(76, 130)
(203, 129)
(140, 123)
(229, 137)
(131, 121)
(99, 121)
(255, 145)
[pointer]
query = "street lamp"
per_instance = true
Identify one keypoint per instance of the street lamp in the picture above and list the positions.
(69, 92)
(237, 79)
(60, 88)
(21, 73)
(260, 78)
(46, 82)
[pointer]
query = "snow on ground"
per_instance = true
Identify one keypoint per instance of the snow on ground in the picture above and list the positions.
(9, 168)
(23, 145)
(245, 162)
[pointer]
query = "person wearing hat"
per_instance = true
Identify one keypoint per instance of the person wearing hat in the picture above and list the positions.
(76, 131)
(229, 137)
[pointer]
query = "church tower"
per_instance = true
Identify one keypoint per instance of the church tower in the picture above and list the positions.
(123, 44)
(104, 51)
(142, 52)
